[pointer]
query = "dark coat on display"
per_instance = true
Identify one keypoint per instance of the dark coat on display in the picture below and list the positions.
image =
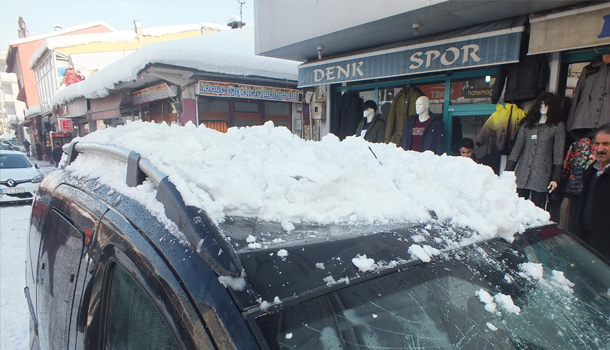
(599, 235)
(433, 138)
(375, 131)
(351, 114)
(525, 80)
(591, 106)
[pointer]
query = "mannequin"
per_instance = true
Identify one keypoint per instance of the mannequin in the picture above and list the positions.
(403, 106)
(372, 127)
(538, 151)
(424, 131)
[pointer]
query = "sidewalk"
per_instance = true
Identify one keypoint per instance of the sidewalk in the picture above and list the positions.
(45, 166)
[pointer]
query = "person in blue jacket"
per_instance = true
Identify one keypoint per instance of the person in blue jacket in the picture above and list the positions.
(424, 131)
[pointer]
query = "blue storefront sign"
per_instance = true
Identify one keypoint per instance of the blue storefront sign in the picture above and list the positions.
(414, 59)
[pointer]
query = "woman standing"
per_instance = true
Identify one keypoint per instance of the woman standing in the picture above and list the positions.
(538, 150)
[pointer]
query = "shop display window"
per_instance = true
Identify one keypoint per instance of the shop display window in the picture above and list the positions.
(279, 113)
(475, 90)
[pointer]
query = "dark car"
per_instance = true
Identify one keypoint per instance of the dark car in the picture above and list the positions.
(103, 272)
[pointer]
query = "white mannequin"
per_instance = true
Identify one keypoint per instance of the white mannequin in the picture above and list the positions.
(369, 114)
(422, 108)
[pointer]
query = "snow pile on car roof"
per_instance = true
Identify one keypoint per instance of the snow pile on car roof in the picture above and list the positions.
(268, 173)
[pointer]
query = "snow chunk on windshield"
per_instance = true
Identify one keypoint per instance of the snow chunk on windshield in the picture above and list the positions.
(268, 173)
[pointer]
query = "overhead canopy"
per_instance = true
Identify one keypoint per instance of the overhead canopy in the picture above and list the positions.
(482, 45)
(105, 108)
(568, 30)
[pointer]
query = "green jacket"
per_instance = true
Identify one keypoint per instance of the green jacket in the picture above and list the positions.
(375, 131)
(403, 106)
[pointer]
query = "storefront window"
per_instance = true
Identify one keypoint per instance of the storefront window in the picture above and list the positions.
(472, 90)
(212, 105)
(246, 107)
(279, 113)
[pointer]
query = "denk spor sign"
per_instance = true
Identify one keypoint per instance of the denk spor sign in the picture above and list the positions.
(413, 60)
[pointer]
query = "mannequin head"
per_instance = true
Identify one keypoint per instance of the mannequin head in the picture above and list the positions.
(553, 114)
(422, 107)
(369, 109)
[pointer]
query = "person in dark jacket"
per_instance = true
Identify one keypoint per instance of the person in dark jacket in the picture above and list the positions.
(372, 126)
(424, 131)
(594, 202)
(57, 153)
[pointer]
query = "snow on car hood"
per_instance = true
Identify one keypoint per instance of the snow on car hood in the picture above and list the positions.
(268, 173)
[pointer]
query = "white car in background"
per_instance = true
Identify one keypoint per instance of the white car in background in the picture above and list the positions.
(19, 178)
(14, 145)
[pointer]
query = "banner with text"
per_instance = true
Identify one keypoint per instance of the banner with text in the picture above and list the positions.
(414, 59)
(214, 88)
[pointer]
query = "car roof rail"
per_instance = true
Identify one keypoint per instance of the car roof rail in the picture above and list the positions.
(207, 238)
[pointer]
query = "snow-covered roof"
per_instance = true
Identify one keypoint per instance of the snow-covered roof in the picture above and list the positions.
(124, 36)
(228, 52)
(60, 32)
(166, 30)
(32, 111)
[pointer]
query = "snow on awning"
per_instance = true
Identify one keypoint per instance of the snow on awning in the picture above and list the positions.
(105, 108)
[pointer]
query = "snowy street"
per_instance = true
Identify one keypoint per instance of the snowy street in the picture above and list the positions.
(14, 314)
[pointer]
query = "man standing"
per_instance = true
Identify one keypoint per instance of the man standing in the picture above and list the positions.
(594, 225)
(57, 153)
(26, 143)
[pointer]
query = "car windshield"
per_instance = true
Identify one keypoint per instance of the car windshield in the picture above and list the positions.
(15, 142)
(543, 291)
(14, 161)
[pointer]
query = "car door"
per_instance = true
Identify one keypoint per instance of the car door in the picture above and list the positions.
(69, 226)
(132, 299)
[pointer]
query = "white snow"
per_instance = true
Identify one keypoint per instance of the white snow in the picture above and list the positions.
(423, 253)
(15, 316)
(61, 32)
(180, 28)
(268, 173)
(557, 279)
(228, 52)
(363, 263)
(493, 303)
(53, 43)
(33, 111)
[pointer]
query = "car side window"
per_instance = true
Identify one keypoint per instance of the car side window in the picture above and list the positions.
(132, 320)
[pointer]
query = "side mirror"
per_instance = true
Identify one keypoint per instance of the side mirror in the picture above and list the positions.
(36, 166)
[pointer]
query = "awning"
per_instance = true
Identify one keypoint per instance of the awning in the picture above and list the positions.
(569, 30)
(105, 108)
(483, 45)
(77, 108)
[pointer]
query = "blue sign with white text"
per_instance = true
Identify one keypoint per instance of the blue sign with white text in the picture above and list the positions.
(408, 60)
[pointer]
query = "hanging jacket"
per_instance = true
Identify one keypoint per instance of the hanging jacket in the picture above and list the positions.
(525, 80)
(578, 159)
(591, 106)
(376, 130)
(350, 114)
(538, 156)
(498, 124)
(403, 105)
(433, 138)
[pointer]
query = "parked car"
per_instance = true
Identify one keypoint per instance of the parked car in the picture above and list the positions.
(14, 145)
(104, 272)
(19, 178)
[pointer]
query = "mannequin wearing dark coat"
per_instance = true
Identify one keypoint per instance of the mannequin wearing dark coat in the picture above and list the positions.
(403, 106)
(375, 125)
(525, 80)
(433, 136)
(351, 113)
(591, 106)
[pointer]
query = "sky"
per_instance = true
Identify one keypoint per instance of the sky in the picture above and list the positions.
(40, 16)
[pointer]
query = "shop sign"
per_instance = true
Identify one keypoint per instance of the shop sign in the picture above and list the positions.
(64, 124)
(153, 93)
(59, 134)
(214, 88)
(414, 59)
(589, 27)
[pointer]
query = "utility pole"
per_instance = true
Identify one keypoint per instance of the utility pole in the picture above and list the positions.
(241, 16)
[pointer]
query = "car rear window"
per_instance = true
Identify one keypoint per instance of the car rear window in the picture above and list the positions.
(14, 161)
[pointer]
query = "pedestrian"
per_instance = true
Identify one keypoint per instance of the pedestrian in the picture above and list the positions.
(371, 127)
(27, 144)
(466, 147)
(594, 202)
(38, 150)
(538, 152)
(57, 153)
